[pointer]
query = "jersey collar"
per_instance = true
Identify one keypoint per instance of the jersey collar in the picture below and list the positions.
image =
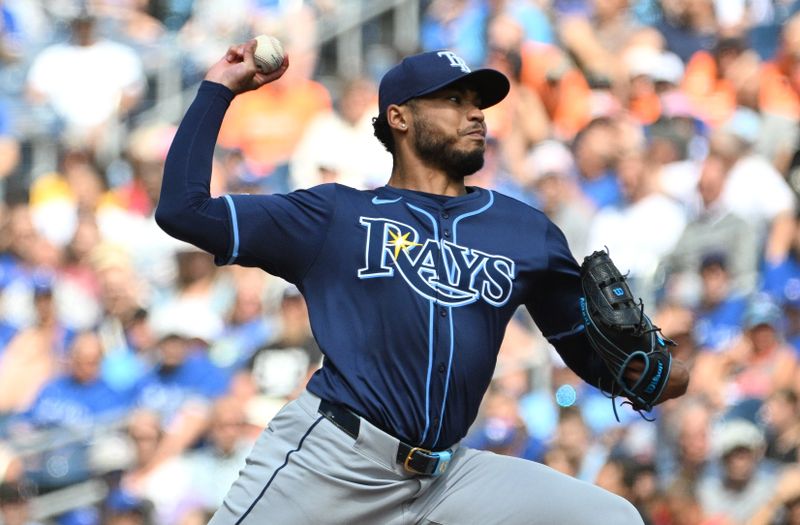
(473, 199)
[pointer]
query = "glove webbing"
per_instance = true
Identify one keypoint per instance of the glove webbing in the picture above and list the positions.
(617, 361)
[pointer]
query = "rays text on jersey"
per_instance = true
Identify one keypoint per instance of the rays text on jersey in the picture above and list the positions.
(438, 270)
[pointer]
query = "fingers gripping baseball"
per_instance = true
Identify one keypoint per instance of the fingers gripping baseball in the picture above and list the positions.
(238, 72)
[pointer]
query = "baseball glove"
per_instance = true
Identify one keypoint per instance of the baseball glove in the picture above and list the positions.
(621, 333)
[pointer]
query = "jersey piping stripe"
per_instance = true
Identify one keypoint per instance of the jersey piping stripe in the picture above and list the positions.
(285, 462)
(450, 314)
(578, 329)
(431, 320)
(446, 381)
(470, 214)
(234, 228)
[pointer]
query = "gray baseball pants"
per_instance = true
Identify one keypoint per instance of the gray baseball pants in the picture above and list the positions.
(305, 470)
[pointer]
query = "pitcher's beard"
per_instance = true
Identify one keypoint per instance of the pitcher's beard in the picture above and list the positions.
(440, 152)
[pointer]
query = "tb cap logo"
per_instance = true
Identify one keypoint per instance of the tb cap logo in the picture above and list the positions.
(455, 61)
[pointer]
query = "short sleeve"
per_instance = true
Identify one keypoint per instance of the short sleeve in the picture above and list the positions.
(280, 233)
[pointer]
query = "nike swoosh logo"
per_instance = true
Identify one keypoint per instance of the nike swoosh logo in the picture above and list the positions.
(376, 200)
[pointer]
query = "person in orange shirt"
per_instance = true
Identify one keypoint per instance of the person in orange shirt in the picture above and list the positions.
(779, 91)
(706, 83)
(563, 89)
(267, 124)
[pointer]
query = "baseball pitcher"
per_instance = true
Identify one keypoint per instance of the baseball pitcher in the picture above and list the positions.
(409, 290)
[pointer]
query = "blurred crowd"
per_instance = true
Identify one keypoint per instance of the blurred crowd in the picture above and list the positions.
(135, 372)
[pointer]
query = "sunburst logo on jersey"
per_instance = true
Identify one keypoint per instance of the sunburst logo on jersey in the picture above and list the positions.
(401, 242)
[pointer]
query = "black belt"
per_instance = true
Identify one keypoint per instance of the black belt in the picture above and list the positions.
(415, 459)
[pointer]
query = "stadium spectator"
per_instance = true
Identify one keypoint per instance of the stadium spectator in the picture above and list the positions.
(688, 27)
(625, 228)
(36, 354)
(597, 42)
(743, 484)
(282, 367)
(780, 93)
(57, 198)
(65, 76)
(565, 94)
(338, 145)
(781, 416)
(596, 153)
(248, 325)
(123, 325)
(707, 80)
(154, 478)
(574, 438)
(687, 454)
(760, 363)
(781, 280)
(502, 430)
(183, 381)
(754, 190)
(146, 150)
(521, 121)
(682, 507)
(719, 309)
(214, 467)
(71, 404)
(549, 173)
(197, 281)
(713, 228)
(26, 253)
(78, 397)
(784, 505)
(653, 75)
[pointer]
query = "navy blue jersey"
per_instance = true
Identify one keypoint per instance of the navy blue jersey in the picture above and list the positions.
(408, 293)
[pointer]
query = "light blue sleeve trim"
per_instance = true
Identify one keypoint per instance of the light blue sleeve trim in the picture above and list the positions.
(234, 229)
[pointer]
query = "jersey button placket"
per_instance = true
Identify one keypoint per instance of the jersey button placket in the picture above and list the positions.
(444, 225)
(443, 332)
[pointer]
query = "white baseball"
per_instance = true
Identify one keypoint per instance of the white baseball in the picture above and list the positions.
(269, 53)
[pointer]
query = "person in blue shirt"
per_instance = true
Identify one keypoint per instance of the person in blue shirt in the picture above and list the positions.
(80, 397)
(183, 375)
(71, 406)
(502, 430)
(409, 288)
(718, 316)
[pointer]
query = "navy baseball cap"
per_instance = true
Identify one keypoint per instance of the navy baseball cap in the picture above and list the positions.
(425, 73)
